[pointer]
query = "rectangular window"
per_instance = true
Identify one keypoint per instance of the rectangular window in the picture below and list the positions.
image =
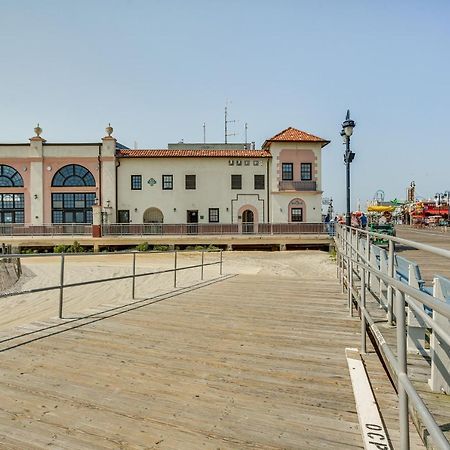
(259, 181)
(136, 182)
(124, 216)
(69, 201)
(79, 201)
(287, 172)
(18, 201)
(306, 171)
(57, 201)
(90, 200)
(190, 182)
(236, 181)
(214, 214)
(8, 201)
(297, 215)
(167, 182)
(20, 217)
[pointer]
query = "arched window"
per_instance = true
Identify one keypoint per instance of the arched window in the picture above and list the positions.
(9, 177)
(73, 175)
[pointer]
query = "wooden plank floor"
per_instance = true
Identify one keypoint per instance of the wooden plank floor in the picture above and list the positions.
(419, 372)
(251, 362)
(429, 264)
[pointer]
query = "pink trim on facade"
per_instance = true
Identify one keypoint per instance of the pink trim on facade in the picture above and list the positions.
(297, 203)
(296, 157)
(241, 211)
(22, 165)
(90, 163)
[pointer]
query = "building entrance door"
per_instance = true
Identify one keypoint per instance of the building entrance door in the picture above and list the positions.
(248, 221)
(192, 221)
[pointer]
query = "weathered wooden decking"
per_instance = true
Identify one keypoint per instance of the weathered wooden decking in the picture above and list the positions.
(247, 362)
(430, 264)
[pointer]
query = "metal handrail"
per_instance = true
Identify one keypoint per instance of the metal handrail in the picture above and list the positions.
(416, 245)
(348, 255)
(62, 285)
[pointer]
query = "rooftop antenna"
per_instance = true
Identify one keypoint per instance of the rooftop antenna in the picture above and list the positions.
(204, 132)
(246, 128)
(135, 145)
(226, 125)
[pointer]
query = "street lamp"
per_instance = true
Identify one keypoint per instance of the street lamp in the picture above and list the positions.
(446, 196)
(349, 156)
(438, 197)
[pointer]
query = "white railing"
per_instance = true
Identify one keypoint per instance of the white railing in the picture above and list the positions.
(122, 229)
(363, 268)
(62, 229)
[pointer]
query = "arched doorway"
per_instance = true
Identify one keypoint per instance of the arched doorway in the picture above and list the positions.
(248, 220)
(153, 215)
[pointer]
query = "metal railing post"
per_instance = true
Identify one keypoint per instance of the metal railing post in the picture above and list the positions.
(362, 309)
(203, 259)
(402, 369)
(390, 292)
(133, 286)
(368, 257)
(61, 288)
(350, 288)
(221, 261)
(175, 271)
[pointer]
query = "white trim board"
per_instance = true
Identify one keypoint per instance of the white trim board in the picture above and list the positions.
(370, 423)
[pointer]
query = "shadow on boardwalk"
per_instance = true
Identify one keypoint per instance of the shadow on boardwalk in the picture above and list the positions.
(251, 362)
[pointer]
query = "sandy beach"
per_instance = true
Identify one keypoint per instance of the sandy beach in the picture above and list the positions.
(21, 310)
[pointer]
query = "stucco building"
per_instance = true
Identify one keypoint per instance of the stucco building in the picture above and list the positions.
(50, 183)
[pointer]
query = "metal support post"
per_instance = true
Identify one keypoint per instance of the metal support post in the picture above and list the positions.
(175, 271)
(402, 368)
(221, 261)
(61, 288)
(203, 260)
(133, 286)
(390, 292)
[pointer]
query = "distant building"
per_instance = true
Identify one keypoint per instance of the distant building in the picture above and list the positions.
(44, 183)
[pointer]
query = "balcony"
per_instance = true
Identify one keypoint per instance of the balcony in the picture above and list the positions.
(297, 186)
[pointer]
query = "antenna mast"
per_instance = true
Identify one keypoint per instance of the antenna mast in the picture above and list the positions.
(246, 128)
(204, 132)
(226, 126)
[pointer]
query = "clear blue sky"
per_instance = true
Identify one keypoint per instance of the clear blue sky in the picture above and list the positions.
(158, 69)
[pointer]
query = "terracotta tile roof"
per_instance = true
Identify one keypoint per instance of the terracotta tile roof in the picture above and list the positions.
(293, 135)
(178, 153)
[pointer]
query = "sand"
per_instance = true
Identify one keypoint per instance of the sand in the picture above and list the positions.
(21, 310)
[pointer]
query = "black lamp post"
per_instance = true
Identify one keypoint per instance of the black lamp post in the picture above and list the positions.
(349, 156)
(447, 197)
(439, 197)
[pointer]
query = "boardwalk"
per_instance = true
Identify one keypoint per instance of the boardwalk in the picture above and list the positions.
(429, 264)
(250, 362)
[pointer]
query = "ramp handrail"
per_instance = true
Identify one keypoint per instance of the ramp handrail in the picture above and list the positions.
(355, 261)
(62, 284)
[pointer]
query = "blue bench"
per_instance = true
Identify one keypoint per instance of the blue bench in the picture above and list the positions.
(402, 273)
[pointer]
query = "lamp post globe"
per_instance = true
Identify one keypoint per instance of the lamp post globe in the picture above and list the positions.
(346, 133)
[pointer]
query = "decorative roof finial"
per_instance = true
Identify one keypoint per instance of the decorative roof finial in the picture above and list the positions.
(109, 129)
(38, 130)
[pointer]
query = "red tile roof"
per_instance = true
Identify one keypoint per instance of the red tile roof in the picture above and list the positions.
(178, 153)
(293, 135)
